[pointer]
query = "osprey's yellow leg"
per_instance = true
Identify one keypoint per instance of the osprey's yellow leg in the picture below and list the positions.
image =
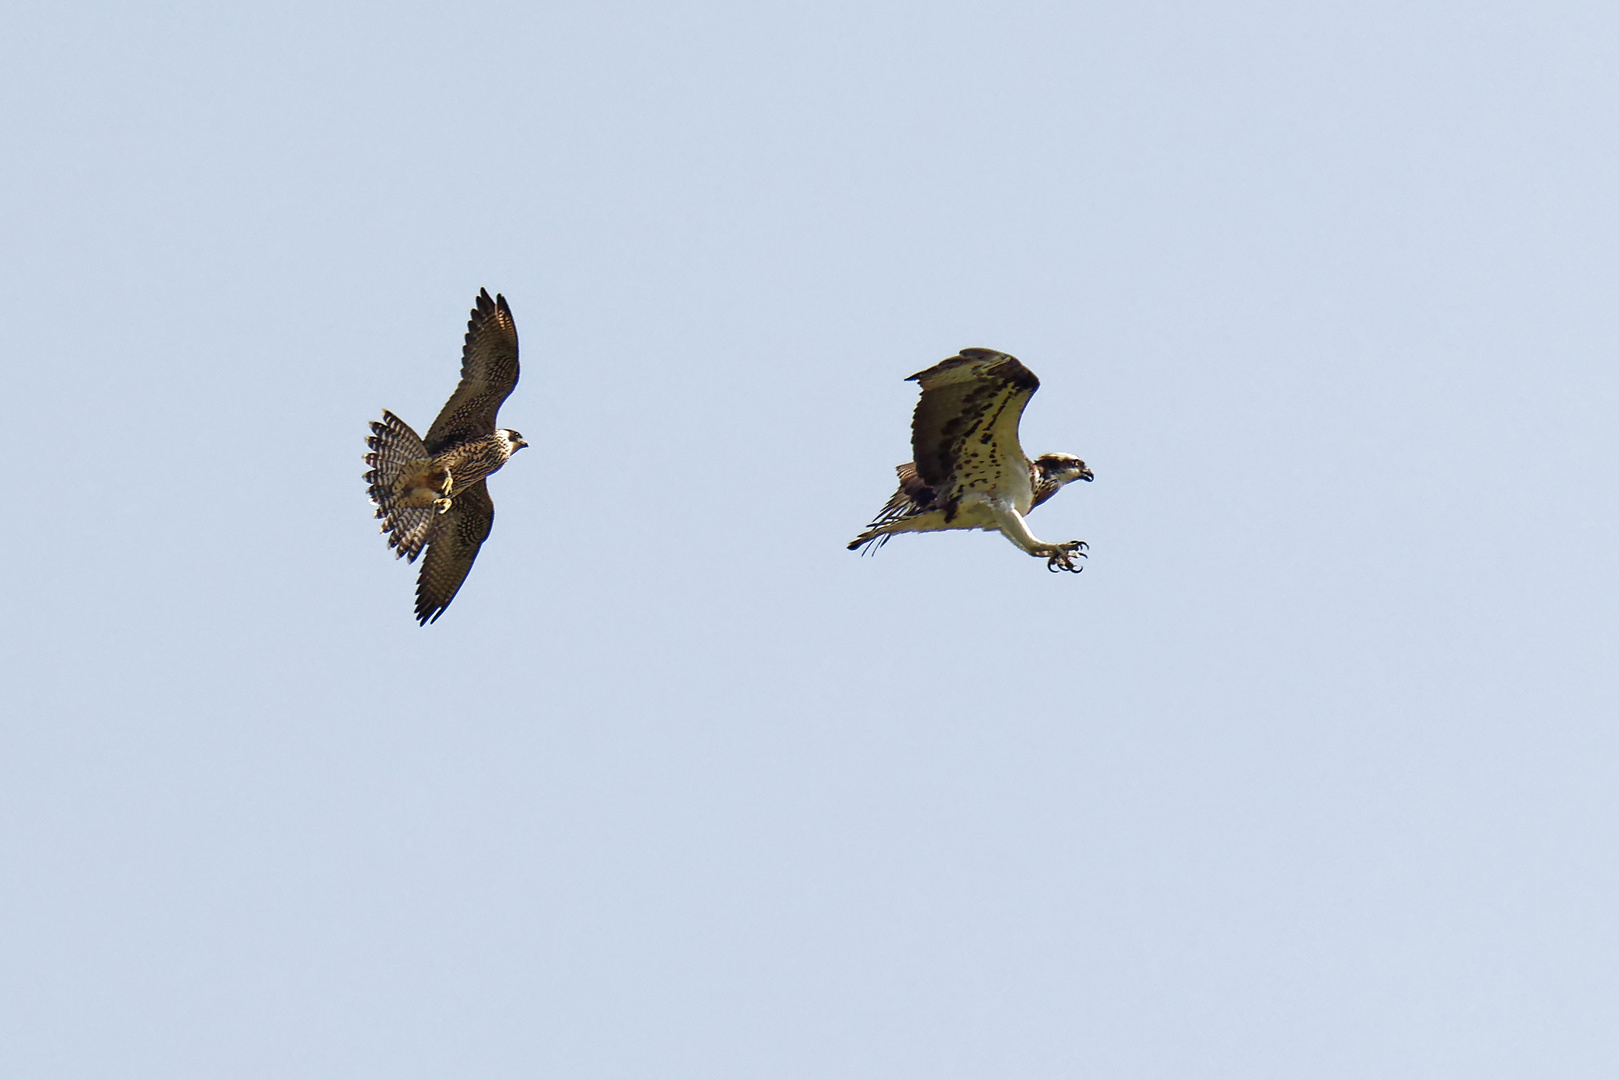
(1058, 557)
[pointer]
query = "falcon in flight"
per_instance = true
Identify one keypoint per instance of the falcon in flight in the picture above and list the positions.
(430, 493)
(969, 471)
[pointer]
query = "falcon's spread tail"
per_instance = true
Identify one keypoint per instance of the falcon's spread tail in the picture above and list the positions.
(395, 448)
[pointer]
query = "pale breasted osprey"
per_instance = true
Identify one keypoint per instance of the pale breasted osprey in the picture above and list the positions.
(430, 493)
(969, 471)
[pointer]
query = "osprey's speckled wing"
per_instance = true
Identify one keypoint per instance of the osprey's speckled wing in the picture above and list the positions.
(965, 429)
(452, 546)
(488, 374)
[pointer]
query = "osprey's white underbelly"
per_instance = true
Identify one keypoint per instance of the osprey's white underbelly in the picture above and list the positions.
(975, 510)
(1010, 483)
(1021, 488)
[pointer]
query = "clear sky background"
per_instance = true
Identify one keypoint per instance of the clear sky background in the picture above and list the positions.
(1311, 773)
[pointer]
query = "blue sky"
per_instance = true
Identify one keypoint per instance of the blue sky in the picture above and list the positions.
(1311, 773)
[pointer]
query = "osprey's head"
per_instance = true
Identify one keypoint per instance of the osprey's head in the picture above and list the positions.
(516, 440)
(1062, 468)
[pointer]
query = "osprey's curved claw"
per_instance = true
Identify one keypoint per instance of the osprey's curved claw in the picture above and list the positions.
(1062, 558)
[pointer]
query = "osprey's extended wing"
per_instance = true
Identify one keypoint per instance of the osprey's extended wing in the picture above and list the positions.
(488, 374)
(967, 419)
(453, 545)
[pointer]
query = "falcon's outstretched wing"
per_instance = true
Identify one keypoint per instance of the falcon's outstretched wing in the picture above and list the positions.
(488, 374)
(966, 424)
(453, 544)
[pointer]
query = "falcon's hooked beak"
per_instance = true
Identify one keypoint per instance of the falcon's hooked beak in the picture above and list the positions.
(518, 442)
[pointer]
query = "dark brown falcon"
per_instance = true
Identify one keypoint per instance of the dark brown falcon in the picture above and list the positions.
(431, 493)
(968, 469)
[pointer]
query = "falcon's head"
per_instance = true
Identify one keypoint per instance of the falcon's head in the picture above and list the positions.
(514, 439)
(1061, 469)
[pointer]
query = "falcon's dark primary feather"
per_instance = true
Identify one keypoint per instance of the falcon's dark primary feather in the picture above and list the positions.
(488, 376)
(457, 536)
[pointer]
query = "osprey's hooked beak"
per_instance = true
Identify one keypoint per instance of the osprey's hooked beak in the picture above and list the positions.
(1087, 476)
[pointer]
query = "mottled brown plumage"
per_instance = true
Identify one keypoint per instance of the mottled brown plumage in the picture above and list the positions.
(966, 420)
(488, 376)
(430, 493)
(457, 536)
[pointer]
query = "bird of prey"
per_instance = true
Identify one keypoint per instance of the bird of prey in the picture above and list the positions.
(969, 472)
(431, 493)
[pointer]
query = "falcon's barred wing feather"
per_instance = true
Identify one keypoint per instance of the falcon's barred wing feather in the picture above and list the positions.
(969, 412)
(488, 374)
(452, 545)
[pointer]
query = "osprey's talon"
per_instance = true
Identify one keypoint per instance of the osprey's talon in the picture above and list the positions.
(1062, 556)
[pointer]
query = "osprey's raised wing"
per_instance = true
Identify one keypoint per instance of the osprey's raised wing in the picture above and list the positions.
(488, 374)
(452, 545)
(965, 427)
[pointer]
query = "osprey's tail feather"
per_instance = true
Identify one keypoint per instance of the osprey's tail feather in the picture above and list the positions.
(394, 448)
(872, 539)
(913, 497)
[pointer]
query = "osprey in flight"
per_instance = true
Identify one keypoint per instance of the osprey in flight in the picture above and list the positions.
(969, 471)
(430, 493)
